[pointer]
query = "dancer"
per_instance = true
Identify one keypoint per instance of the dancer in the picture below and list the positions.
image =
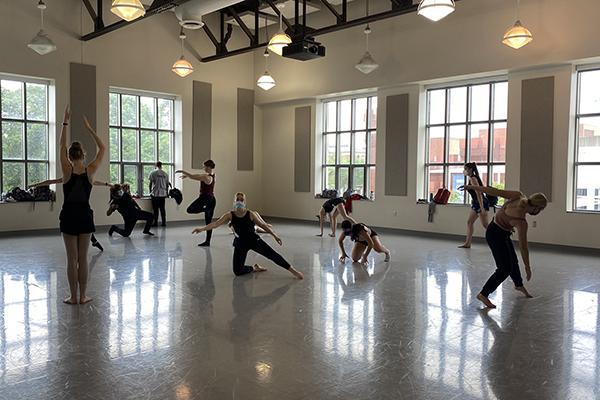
(159, 190)
(206, 202)
(365, 239)
(330, 205)
(243, 222)
(131, 212)
(498, 235)
(76, 216)
(479, 203)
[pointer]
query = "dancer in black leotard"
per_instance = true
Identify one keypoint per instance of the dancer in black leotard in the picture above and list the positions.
(243, 222)
(131, 212)
(479, 203)
(365, 239)
(335, 205)
(76, 216)
(206, 202)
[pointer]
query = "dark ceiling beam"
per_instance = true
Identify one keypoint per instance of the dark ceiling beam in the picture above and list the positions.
(90, 9)
(338, 16)
(212, 38)
(242, 25)
(277, 11)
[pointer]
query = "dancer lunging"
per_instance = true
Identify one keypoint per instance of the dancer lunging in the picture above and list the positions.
(332, 208)
(76, 216)
(131, 212)
(365, 239)
(243, 222)
(206, 202)
(479, 203)
(498, 235)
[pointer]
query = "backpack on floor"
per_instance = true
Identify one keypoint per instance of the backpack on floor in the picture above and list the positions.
(442, 196)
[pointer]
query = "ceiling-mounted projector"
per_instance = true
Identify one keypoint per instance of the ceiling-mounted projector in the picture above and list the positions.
(304, 49)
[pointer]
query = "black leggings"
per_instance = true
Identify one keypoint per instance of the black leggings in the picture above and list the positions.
(259, 246)
(158, 204)
(130, 222)
(206, 205)
(505, 256)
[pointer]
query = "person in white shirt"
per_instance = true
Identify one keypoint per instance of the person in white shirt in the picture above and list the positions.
(159, 190)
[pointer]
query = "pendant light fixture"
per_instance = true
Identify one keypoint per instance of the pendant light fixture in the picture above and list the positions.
(280, 39)
(367, 64)
(266, 81)
(128, 9)
(182, 67)
(517, 35)
(436, 9)
(41, 43)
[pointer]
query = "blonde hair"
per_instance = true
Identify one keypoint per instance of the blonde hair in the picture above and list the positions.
(538, 200)
(76, 151)
(240, 194)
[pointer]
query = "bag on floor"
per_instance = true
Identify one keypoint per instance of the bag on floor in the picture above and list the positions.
(442, 196)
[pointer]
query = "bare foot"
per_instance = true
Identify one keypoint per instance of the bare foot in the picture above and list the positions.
(320, 235)
(70, 300)
(464, 246)
(258, 268)
(332, 235)
(485, 301)
(85, 299)
(297, 274)
(387, 257)
(524, 291)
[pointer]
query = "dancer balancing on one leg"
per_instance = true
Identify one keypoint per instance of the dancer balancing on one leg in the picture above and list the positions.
(479, 203)
(498, 236)
(76, 216)
(206, 202)
(332, 208)
(365, 239)
(131, 212)
(243, 222)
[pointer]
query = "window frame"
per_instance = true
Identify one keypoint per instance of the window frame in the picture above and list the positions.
(467, 123)
(139, 131)
(25, 160)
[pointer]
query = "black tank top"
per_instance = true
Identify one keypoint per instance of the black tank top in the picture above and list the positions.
(208, 190)
(356, 230)
(77, 190)
(474, 193)
(243, 226)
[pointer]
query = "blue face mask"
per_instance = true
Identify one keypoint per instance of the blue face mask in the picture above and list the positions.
(239, 205)
(120, 193)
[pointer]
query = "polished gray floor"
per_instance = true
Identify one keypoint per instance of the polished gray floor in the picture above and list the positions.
(170, 321)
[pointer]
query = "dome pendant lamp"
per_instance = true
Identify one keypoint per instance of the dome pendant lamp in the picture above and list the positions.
(182, 67)
(41, 43)
(128, 9)
(367, 64)
(435, 10)
(266, 81)
(280, 39)
(517, 35)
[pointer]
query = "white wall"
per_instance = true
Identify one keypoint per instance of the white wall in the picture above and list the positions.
(136, 57)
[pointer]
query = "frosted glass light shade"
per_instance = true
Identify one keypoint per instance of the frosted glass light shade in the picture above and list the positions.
(278, 42)
(266, 81)
(41, 43)
(182, 67)
(128, 9)
(435, 10)
(517, 36)
(367, 64)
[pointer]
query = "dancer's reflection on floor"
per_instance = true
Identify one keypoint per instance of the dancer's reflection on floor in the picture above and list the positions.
(358, 282)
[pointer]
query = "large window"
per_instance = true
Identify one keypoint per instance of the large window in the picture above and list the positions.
(349, 145)
(466, 124)
(141, 133)
(587, 142)
(24, 140)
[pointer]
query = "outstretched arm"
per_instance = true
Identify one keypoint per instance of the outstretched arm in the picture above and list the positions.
(225, 218)
(257, 219)
(65, 165)
(507, 194)
(98, 183)
(46, 182)
(197, 177)
(523, 246)
(101, 148)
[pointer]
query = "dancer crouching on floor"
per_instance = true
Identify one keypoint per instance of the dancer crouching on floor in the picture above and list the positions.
(131, 212)
(332, 208)
(365, 239)
(243, 222)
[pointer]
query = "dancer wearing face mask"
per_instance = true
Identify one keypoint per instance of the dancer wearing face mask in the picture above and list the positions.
(243, 222)
(122, 202)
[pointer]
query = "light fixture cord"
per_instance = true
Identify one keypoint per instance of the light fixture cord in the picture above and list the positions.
(266, 55)
(42, 15)
(182, 36)
(517, 10)
(367, 29)
(281, 18)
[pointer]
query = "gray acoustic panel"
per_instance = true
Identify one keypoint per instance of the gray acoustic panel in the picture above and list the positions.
(396, 145)
(201, 123)
(245, 130)
(537, 133)
(82, 99)
(302, 130)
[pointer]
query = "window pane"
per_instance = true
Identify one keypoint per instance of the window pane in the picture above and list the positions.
(148, 146)
(500, 100)
(130, 176)
(480, 102)
(130, 145)
(372, 147)
(372, 112)
(12, 99)
(360, 114)
(343, 180)
(37, 142)
(36, 102)
(130, 110)
(146, 174)
(435, 178)
(13, 175)
(36, 172)
(12, 140)
(360, 148)
(148, 112)
(456, 178)
(458, 104)
(330, 178)
(330, 148)
(330, 116)
(437, 106)
(113, 142)
(499, 150)
(113, 108)
(589, 92)
(479, 143)
(372, 180)
(114, 173)
(436, 144)
(165, 114)
(499, 179)
(588, 140)
(456, 144)
(344, 148)
(165, 147)
(588, 185)
(358, 180)
(345, 115)
(169, 170)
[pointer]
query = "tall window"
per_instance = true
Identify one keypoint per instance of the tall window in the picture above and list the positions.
(466, 124)
(141, 133)
(24, 140)
(349, 145)
(587, 142)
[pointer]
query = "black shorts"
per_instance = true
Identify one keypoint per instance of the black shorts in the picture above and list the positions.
(77, 220)
(329, 205)
(477, 208)
(364, 242)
